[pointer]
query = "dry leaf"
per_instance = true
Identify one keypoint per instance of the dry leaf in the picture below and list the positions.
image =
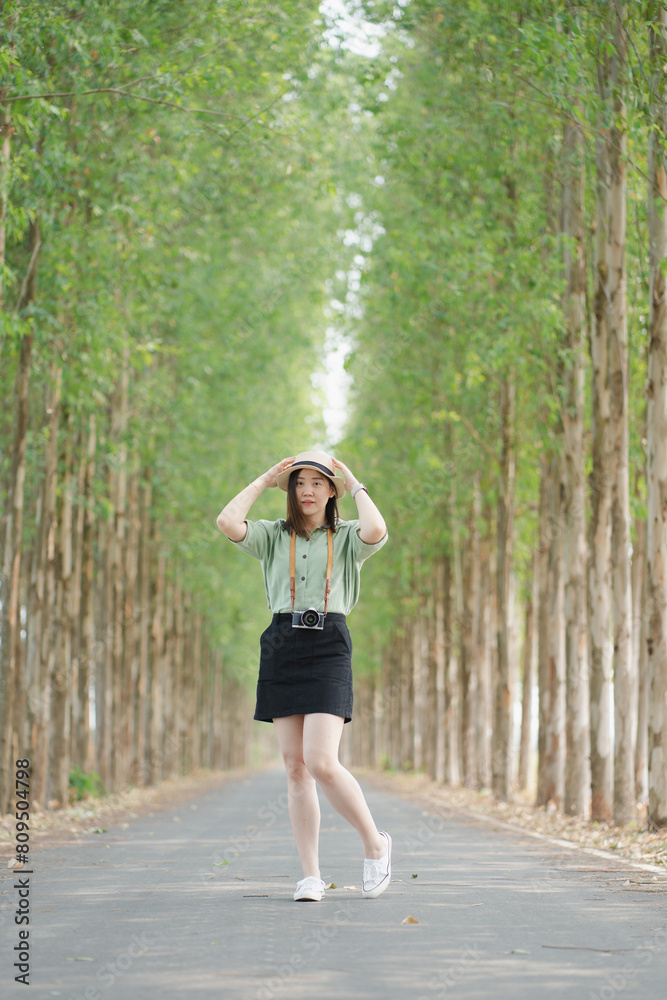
(332, 885)
(350, 887)
(409, 920)
(414, 876)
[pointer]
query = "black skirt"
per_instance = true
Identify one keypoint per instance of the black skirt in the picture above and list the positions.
(304, 670)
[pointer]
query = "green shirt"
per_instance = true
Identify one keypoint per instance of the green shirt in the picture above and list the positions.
(268, 542)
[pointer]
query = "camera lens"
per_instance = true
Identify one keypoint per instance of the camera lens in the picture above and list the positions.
(310, 618)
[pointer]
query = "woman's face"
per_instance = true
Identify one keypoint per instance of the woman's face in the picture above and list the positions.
(313, 491)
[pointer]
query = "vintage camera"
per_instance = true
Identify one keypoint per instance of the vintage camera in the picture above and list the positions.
(311, 618)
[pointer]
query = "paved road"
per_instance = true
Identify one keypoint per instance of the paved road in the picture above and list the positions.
(196, 902)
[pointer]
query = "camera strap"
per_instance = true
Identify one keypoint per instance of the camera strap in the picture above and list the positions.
(292, 567)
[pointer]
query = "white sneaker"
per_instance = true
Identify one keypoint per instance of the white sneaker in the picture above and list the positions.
(309, 889)
(377, 873)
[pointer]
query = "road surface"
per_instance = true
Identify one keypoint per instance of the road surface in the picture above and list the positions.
(195, 901)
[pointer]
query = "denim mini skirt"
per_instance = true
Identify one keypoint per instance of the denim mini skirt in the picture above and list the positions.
(303, 670)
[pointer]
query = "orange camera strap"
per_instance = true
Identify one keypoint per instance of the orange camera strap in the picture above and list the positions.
(292, 568)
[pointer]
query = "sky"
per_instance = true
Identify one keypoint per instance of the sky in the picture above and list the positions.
(363, 38)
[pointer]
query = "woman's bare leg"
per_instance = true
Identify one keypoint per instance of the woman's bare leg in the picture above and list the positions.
(304, 806)
(321, 734)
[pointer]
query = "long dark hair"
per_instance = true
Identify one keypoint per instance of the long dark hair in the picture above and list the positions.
(296, 519)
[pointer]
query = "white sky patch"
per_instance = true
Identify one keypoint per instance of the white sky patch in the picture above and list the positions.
(347, 29)
(335, 382)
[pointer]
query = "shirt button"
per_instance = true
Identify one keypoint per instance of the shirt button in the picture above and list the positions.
(305, 557)
(303, 578)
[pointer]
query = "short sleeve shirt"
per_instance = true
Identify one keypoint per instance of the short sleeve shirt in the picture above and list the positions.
(270, 543)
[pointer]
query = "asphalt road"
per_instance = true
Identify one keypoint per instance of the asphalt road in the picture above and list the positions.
(195, 901)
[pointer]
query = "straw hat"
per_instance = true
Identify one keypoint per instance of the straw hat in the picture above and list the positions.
(318, 461)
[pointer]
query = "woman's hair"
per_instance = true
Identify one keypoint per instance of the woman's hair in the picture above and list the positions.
(296, 519)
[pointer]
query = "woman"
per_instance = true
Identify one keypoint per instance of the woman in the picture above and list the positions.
(311, 563)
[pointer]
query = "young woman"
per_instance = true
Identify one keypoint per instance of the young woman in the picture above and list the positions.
(311, 562)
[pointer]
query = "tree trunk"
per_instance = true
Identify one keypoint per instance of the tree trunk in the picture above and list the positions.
(440, 657)
(599, 610)
(44, 634)
(525, 751)
(83, 751)
(625, 692)
(502, 748)
(61, 658)
(131, 616)
(484, 642)
(469, 639)
(146, 566)
(656, 547)
(577, 768)
(11, 568)
(452, 757)
(639, 633)
(5, 167)
(551, 652)
(157, 671)
(116, 581)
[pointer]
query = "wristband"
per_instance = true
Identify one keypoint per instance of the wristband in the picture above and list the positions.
(355, 490)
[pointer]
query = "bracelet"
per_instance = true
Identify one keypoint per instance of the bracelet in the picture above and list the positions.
(355, 490)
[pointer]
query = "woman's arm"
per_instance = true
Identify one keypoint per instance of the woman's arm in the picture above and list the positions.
(372, 528)
(231, 519)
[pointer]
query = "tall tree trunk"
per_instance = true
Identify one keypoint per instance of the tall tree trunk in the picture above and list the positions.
(469, 639)
(551, 642)
(599, 572)
(454, 619)
(452, 757)
(116, 580)
(639, 633)
(5, 167)
(625, 689)
(146, 566)
(86, 622)
(61, 658)
(502, 747)
(44, 638)
(157, 668)
(656, 548)
(577, 769)
(440, 656)
(484, 644)
(131, 615)
(528, 681)
(11, 568)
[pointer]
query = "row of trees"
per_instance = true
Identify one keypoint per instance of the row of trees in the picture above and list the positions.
(189, 195)
(510, 373)
(165, 236)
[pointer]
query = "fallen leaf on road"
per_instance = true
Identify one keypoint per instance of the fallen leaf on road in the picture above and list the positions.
(414, 876)
(332, 885)
(409, 920)
(350, 887)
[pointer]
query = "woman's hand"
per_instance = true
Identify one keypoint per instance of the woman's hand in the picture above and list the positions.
(269, 478)
(350, 481)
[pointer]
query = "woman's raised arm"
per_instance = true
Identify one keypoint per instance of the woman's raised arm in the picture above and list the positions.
(231, 519)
